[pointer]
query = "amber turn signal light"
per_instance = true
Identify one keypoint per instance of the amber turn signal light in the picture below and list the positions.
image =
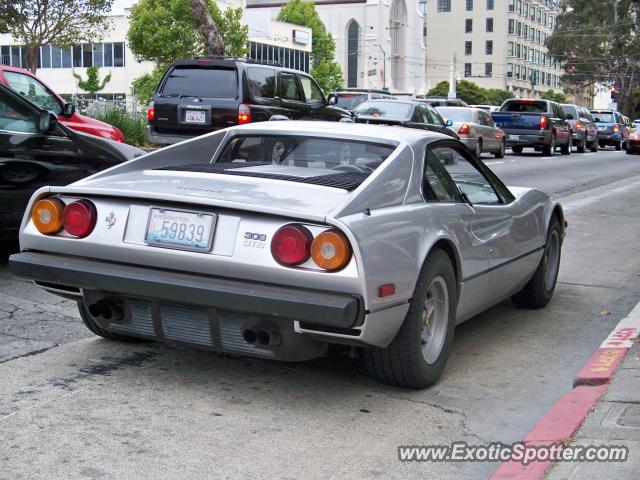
(47, 215)
(331, 250)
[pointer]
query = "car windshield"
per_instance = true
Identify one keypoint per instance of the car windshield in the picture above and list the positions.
(349, 101)
(525, 106)
(455, 114)
(396, 110)
(571, 110)
(201, 82)
(603, 117)
(305, 152)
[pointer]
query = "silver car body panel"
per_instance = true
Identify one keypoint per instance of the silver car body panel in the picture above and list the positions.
(389, 224)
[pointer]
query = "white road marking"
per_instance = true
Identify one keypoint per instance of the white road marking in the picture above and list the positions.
(494, 163)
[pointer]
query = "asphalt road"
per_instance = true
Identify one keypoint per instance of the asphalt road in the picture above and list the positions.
(74, 406)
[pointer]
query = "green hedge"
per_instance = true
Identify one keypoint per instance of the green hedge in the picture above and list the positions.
(133, 128)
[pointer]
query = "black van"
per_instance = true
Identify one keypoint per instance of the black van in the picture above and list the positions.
(206, 94)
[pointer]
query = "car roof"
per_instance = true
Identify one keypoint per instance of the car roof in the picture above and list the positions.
(393, 100)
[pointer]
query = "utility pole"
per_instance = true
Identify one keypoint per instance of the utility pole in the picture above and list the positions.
(452, 78)
(384, 67)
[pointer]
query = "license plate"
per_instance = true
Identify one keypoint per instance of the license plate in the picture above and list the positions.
(195, 116)
(180, 229)
(514, 137)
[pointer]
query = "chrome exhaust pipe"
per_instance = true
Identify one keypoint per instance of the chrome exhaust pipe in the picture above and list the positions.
(106, 310)
(268, 338)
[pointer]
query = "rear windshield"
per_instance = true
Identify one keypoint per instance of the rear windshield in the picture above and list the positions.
(571, 110)
(525, 107)
(306, 152)
(455, 114)
(201, 82)
(603, 117)
(394, 110)
(349, 101)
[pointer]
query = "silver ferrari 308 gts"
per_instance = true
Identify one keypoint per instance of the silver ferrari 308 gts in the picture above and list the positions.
(276, 239)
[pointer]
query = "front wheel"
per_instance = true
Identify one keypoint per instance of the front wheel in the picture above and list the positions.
(516, 149)
(539, 290)
(417, 355)
(594, 146)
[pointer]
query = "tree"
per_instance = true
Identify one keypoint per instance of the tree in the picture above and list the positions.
(213, 42)
(472, 93)
(92, 84)
(145, 85)
(324, 68)
(440, 90)
(554, 96)
(34, 23)
(497, 96)
(599, 42)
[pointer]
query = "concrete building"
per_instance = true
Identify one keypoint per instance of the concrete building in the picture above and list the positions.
(379, 43)
(496, 44)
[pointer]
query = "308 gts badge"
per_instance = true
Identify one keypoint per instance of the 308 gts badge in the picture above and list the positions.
(254, 240)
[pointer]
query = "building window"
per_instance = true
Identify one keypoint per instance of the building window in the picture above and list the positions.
(469, 6)
(468, 25)
(488, 69)
(444, 5)
(352, 53)
(512, 26)
(509, 70)
(517, 71)
(525, 31)
(467, 69)
(489, 25)
(509, 49)
(488, 47)
(512, 5)
(468, 48)
(517, 50)
(489, 4)
(422, 7)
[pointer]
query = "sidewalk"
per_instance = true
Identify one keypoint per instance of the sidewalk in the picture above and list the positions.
(614, 421)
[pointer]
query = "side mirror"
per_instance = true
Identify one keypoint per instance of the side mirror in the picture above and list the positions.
(569, 116)
(332, 99)
(278, 118)
(46, 121)
(68, 109)
(449, 123)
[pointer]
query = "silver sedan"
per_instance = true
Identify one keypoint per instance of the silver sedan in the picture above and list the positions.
(276, 239)
(476, 130)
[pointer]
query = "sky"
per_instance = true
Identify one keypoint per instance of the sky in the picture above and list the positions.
(119, 6)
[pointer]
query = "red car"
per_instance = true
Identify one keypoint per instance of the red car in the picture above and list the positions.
(28, 85)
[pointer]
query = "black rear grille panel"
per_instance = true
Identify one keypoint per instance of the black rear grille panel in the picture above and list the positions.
(344, 180)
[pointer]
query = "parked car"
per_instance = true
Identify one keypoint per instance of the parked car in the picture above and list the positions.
(442, 101)
(408, 113)
(350, 98)
(633, 142)
(31, 87)
(636, 123)
(538, 124)
(207, 94)
(583, 128)
(37, 150)
(611, 128)
(476, 130)
(280, 259)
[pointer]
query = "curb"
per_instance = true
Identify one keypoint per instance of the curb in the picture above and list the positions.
(567, 414)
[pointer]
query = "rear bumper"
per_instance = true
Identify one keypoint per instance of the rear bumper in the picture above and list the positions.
(609, 138)
(528, 139)
(328, 309)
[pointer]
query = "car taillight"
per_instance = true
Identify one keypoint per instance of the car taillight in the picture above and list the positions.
(244, 114)
(291, 245)
(331, 250)
(47, 215)
(616, 129)
(544, 121)
(79, 218)
(578, 125)
(151, 112)
(464, 129)
(635, 136)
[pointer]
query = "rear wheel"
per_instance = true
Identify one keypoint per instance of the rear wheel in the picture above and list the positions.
(539, 290)
(516, 149)
(551, 148)
(478, 150)
(566, 148)
(501, 151)
(417, 355)
(619, 146)
(582, 145)
(594, 146)
(91, 324)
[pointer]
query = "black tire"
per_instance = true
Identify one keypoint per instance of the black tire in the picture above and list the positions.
(629, 152)
(619, 146)
(402, 362)
(478, 150)
(516, 149)
(549, 150)
(500, 153)
(594, 146)
(539, 290)
(101, 332)
(566, 148)
(581, 147)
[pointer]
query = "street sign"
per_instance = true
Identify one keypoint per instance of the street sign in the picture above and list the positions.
(372, 72)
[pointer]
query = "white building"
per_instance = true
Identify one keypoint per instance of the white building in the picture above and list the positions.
(379, 43)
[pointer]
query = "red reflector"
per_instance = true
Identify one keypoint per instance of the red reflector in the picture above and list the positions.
(79, 218)
(464, 129)
(291, 245)
(544, 121)
(387, 290)
(244, 114)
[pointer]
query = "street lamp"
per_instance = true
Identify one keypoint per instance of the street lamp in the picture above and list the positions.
(384, 67)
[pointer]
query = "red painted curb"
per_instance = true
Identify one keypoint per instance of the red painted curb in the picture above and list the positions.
(601, 367)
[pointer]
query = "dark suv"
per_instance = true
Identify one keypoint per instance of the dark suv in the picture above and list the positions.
(205, 94)
(611, 128)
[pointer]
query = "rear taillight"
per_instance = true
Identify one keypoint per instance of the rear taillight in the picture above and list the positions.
(244, 114)
(464, 130)
(544, 122)
(151, 112)
(634, 136)
(47, 215)
(331, 250)
(291, 245)
(616, 129)
(578, 125)
(79, 218)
